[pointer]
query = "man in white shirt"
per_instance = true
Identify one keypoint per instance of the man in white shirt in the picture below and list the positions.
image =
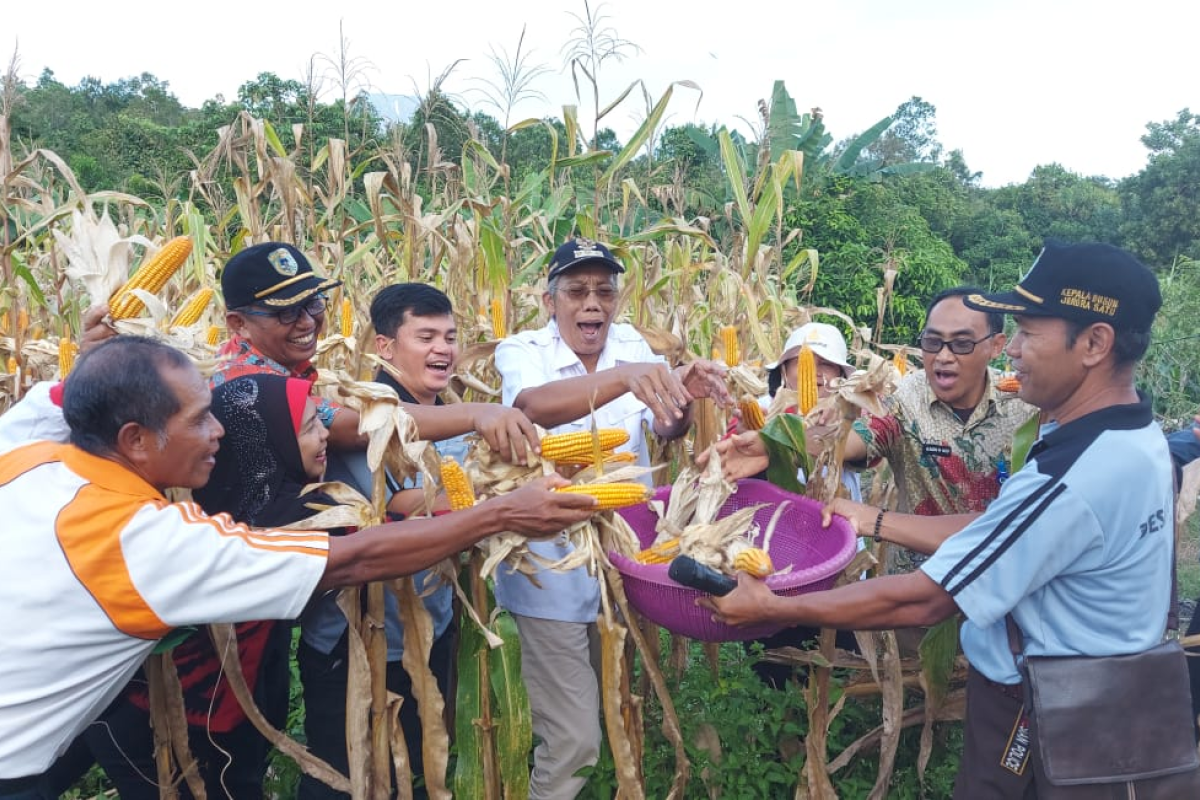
(579, 361)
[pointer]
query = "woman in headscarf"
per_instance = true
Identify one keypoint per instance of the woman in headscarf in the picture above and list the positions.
(273, 445)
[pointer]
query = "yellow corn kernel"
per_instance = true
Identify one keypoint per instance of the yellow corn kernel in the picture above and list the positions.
(754, 561)
(458, 487)
(900, 363)
(752, 414)
(22, 321)
(151, 276)
(499, 323)
(67, 350)
(612, 495)
(1009, 383)
(661, 553)
(806, 379)
(12, 365)
(607, 457)
(196, 305)
(729, 339)
(347, 318)
(213, 336)
(577, 447)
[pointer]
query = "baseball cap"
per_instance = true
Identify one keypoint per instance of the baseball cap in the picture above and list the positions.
(823, 339)
(274, 274)
(1087, 283)
(577, 252)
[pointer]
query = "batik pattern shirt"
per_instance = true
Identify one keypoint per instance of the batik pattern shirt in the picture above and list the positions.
(239, 357)
(941, 464)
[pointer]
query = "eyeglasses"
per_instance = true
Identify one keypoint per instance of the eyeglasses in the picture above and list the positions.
(605, 294)
(313, 306)
(960, 347)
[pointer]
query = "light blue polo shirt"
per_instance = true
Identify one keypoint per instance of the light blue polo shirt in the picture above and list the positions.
(1077, 546)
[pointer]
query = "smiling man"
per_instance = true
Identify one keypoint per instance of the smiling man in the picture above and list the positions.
(582, 366)
(948, 434)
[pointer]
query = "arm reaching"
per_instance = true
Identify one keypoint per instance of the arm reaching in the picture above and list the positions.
(923, 534)
(402, 548)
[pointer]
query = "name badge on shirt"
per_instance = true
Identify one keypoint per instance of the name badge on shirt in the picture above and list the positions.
(935, 449)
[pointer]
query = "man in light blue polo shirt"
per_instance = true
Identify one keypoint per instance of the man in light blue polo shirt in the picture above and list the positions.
(1077, 547)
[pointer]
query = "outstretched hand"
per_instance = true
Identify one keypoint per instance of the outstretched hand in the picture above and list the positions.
(749, 603)
(741, 455)
(506, 430)
(536, 510)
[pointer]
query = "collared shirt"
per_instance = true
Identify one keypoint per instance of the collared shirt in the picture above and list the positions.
(1077, 546)
(941, 464)
(324, 623)
(533, 358)
(239, 357)
(98, 566)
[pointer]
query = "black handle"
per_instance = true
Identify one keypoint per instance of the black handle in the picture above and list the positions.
(691, 573)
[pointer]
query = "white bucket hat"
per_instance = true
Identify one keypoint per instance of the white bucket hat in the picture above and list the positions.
(825, 341)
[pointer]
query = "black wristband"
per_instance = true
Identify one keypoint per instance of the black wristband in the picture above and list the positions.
(878, 525)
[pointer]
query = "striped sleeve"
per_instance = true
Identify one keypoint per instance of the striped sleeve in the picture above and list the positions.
(1030, 534)
(221, 571)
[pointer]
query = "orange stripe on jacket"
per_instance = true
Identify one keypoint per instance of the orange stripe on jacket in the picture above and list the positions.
(89, 530)
(19, 460)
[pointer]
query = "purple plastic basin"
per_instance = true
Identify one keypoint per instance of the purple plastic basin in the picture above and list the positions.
(816, 555)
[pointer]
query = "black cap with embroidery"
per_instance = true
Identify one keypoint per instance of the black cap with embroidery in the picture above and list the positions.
(1082, 282)
(274, 274)
(578, 252)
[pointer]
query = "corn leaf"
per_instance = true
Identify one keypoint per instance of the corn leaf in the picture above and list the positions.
(514, 734)
(787, 451)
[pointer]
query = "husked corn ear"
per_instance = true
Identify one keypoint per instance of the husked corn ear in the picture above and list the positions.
(214, 335)
(752, 414)
(12, 365)
(22, 321)
(661, 553)
(900, 363)
(346, 316)
(499, 323)
(729, 340)
(755, 561)
(458, 487)
(193, 308)
(1009, 383)
(151, 276)
(612, 495)
(577, 447)
(67, 350)
(609, 457)
(806, 379)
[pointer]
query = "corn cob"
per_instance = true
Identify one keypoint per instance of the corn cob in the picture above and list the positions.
(214, 335)
(12, 365)
(900, 363)
(609, 457)
(752, 414)
(577, 447)
(611, 495)
(458, 487)
(67, 350)
(1009, 383)
(151, 276)
(499, 324)
(190, 313)
(22, 321)
(806, 379)
(729, 339)
(347, 318)
(754, 561)
(661, 553)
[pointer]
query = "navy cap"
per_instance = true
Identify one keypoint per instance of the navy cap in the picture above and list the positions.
(274, 274)
(578, 252)
(1082, 282)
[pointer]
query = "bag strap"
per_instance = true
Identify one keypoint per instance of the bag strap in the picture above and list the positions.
(1016, 642)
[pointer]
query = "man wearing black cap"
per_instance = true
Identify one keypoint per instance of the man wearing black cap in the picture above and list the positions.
(581, 360)
(275, 310)
(1080, 563)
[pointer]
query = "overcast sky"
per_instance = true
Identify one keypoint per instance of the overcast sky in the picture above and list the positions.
(1016, 83)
